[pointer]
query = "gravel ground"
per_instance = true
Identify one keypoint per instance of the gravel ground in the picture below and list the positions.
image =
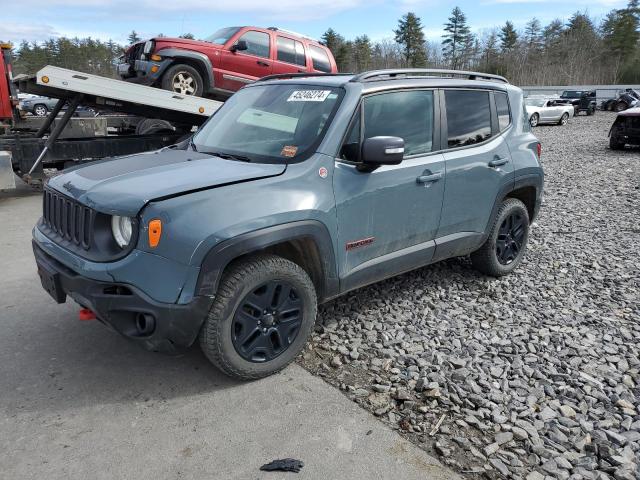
(532, 376)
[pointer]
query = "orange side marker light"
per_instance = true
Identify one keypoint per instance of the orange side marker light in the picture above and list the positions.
(155, 232)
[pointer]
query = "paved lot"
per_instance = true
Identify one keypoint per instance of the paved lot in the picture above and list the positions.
(80, 402)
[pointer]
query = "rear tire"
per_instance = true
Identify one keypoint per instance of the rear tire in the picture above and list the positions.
(620, 107)
(184, 80)
(564, 119)
(504, 249)
(241, 339)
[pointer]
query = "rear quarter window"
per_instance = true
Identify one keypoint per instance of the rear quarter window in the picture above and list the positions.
(502, 108)
(320, 59)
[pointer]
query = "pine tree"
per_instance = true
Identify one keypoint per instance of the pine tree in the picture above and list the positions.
(133, 37)
(188, 36)
(336, 43)
(508, 37)
(456, 38)
(362, 53)
(410, 36)
(533, 34)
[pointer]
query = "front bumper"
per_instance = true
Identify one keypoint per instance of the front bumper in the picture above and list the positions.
(154, 325)
(140, 72)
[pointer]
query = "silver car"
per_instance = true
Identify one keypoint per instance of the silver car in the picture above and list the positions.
(547, 110)
(39, 106)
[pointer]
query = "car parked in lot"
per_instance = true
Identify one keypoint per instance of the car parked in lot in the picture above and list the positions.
(38, 106)
(625, 129)
(298, 190)
(582, 100)
(547, 110)
(223, 62)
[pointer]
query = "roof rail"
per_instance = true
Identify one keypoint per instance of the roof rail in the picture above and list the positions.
(428, 72)
(295, 34)
(281, 76)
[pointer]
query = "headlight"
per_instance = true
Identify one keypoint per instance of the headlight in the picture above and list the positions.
(122, 229)
(148, 46)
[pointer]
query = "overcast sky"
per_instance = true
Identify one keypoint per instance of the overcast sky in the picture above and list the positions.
(36, 20)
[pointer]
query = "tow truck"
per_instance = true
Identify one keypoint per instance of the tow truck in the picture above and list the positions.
(128, 119)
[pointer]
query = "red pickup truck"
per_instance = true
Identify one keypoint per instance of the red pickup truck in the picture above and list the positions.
(223, 62)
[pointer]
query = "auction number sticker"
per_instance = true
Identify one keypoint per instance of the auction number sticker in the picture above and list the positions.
(308, 96)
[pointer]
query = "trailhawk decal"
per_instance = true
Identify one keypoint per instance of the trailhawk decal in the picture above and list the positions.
(308, 96)
(360, 243)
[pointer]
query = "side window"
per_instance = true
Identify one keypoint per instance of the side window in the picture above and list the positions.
(257, 44)
(320, 59)
(351, 148)
(291, 51)
(408, 115)
(468, 117)
(502, 107)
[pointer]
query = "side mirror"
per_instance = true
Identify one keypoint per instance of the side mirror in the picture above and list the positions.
(383, 150)
(239, 46)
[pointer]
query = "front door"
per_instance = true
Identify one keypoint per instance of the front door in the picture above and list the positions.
(478, 161)
(388, 217)
(245, 66)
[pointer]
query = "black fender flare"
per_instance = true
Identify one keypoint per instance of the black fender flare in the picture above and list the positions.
(528, 180)
(222, 254)
(200, 58)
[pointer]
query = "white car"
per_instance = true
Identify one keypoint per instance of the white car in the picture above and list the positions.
(547, 110)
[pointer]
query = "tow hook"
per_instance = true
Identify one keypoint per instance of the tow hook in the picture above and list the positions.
(86, 314)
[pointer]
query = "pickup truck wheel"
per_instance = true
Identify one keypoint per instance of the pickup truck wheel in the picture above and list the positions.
(614, 144)
(40, 110)
(264, 311)
(183, 79)
(504, 249)
(564, 119)
(533, 121)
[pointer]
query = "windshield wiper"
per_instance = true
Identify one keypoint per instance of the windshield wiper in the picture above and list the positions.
(193, 145)
(229, 156)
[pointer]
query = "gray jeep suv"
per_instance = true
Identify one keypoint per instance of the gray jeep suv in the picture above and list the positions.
(299, 189)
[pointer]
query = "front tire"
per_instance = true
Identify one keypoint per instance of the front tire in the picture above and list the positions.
(263, 313)
(614, 144)
(534, 120)
(40, 110)
(183, 79)
(504, 249)
(564, 119)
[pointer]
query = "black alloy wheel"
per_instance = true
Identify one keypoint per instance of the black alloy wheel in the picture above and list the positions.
(510, 238)
(267, 321)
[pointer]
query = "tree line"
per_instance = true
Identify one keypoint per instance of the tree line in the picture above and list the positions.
(578, 51)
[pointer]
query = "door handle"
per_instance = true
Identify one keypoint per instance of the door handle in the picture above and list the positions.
(262, 64)
(430, 178)
(497, 162)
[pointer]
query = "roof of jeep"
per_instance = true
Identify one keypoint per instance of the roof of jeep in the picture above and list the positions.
(382, 82)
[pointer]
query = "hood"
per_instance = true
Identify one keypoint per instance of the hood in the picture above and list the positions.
(162, 42)
(124, 185)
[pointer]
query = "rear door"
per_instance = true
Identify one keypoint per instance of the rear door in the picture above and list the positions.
(242, 67)
(290, 56)
(478, 160)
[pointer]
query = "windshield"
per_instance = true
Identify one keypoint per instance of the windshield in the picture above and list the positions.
(270, 123)
(534, 102)
(223, 35)
(572, 93)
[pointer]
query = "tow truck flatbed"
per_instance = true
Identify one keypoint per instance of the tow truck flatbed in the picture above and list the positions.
(120, 106)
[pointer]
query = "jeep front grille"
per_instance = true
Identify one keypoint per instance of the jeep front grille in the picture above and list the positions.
(135, 53)
(67, 218)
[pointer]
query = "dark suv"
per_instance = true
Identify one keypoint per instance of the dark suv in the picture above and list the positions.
(223, 62)
(296, 191)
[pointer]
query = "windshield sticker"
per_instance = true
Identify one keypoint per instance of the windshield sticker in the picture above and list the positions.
(309, 96)
(289, 151)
